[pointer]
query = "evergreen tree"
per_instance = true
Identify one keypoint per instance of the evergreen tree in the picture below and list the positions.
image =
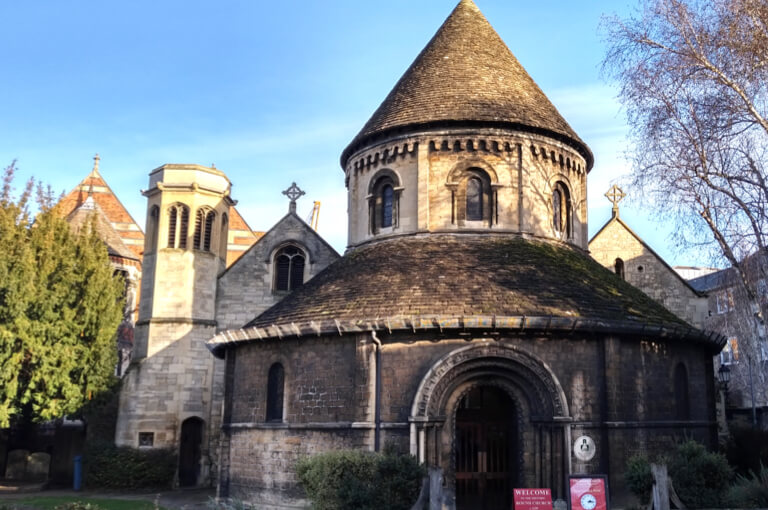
(60, 306)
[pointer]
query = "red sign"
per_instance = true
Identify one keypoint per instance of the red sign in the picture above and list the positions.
(533, 499)
(588, 493)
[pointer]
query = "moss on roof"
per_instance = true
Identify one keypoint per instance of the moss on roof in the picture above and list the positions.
(463, 275)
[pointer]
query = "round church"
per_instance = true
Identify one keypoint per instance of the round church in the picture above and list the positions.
(466, 324)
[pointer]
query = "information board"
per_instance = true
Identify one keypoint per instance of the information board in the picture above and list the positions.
(533, 499)
(588, 492)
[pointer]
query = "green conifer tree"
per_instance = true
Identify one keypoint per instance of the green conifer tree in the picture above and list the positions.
(60, 306)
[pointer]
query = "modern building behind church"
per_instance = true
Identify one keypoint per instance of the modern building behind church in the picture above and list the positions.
(465, 325)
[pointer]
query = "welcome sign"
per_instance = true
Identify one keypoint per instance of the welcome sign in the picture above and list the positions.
(533, 499)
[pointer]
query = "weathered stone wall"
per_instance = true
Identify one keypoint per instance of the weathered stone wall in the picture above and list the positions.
(523, 170)
(646, 271)
(620, 391)
(246, 288)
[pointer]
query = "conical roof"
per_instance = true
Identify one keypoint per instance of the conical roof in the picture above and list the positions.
(467, 75)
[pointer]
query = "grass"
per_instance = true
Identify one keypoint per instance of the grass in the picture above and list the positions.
(51, 502)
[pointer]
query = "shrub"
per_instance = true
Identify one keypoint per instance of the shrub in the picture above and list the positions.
(749, 491)
(701, 478)
(639, 478)
(354, 480)
(78, 505)
(747, 449)
(121, 467)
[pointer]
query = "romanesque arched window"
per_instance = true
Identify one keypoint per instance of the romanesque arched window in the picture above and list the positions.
(178, 226)
(383, 201)
(561, 211)
(289, 268)
(618, 267)
(472, 197)
(152, 225)
(275, 391)
(682, 403)
(204, 221)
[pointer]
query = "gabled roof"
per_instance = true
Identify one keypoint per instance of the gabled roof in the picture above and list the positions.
(617, 219)
(467, 75)
(464, 282)
(240, 236)
(90, 209)
(121, 220)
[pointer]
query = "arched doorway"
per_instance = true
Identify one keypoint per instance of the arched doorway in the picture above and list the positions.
(485, 449)
(190, 451)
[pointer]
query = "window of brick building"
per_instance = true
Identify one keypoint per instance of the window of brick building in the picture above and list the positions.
(383, 201)
(146, 439)
(275, 390)
(730, 353)
(619, 268)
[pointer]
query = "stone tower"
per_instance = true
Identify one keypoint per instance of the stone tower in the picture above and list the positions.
(169, 395)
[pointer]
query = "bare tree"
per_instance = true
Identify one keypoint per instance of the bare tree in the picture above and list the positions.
(693, 78)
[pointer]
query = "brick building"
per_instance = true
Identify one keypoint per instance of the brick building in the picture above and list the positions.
(466, 324)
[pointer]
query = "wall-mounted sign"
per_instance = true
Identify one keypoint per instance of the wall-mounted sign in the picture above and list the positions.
(533, 499)
(588, 492)
(584, 448)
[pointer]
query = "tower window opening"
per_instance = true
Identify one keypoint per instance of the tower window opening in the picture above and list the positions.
(178, 224)
(204, 221)
(289, 269)
(561, 211)
(383, 201)
(387, 197)
(154, 216)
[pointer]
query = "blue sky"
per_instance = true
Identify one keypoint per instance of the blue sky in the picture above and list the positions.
(269, 92)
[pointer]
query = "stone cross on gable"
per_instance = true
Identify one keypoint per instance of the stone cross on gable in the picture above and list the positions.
(615, 195)
(293, 193)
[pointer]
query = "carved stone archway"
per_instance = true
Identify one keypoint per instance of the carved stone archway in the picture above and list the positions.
(541, 410)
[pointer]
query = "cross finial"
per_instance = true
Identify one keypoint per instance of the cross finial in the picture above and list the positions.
(293, 193)
(615, 195)
(96, 160)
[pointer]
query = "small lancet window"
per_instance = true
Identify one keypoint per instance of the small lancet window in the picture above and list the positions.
(289, 269)
(178, 226)
(474, 199)
(275, 392)
(561, 211)
(682, 401)
(618, 267)
(154, 217)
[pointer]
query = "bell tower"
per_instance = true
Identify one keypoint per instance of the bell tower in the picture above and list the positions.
(169, 388)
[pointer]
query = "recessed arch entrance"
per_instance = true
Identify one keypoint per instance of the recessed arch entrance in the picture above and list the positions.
(491, 417)
(190, 450)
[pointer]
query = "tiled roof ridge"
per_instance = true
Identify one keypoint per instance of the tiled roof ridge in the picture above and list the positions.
(466, 73)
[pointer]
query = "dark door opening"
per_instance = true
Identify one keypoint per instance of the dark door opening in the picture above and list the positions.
(485, 441)
(189, 451)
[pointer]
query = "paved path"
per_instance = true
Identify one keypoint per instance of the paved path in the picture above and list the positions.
(183, 499)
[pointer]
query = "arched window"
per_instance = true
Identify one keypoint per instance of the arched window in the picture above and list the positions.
(383, 201)
(275, 391)
(204, 221)
(178, 226)
(153, 219)
(682, 404)
(619, 268)
(289, 268)
(474, 199)
(561, 211)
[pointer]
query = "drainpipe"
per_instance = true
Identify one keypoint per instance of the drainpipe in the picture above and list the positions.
(377, 394)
